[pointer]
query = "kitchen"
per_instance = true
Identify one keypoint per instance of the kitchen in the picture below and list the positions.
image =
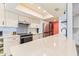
(21, 23)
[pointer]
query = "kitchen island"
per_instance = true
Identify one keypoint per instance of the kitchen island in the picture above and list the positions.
(8, 41)
(56, 45)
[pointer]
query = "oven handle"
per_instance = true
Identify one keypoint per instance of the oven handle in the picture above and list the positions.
(26, 37)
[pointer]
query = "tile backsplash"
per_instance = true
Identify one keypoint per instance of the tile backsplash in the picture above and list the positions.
(22, 28)
(7, 30)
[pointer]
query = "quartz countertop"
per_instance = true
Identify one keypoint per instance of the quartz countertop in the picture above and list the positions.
(8, 36)
(56, 45)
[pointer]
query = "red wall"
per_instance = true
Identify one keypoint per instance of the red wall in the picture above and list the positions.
(55, 27)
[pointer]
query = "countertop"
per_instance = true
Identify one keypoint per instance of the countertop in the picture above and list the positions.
(56, 45)
(37, 33)
(9, 36)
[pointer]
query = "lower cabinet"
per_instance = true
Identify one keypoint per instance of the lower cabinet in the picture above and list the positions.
(9, 42)
(37, 36)
(1, 46)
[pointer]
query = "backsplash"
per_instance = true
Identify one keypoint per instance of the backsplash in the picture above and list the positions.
(22, 28)
(7, 30)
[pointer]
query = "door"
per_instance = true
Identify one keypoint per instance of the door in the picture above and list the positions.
(9, 42)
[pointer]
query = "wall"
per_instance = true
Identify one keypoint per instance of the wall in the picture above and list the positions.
(76, 21)
(70, 21)
(76, 24)
(62, 25)
(56, 27)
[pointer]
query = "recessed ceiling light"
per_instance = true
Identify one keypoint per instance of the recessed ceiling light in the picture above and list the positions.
(38, 7)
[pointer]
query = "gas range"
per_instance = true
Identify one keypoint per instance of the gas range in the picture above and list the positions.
(25, 37)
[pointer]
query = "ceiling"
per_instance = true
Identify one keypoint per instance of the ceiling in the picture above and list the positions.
(12, 7)
(56, 9)
(51, 9)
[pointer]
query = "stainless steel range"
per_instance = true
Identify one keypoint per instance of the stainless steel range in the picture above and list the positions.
(24, 37)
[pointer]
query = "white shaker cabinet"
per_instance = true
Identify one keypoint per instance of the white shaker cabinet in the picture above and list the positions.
(2, 14)
(11, 19)
(7, 18)
(10, 41)
(37, 36)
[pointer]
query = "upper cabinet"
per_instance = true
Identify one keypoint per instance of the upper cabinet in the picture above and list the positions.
(11, 19)
(7, 18)
(2, 14)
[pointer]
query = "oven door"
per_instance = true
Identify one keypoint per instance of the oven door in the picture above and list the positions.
(25, 39)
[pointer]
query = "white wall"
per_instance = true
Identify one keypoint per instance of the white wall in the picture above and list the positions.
(70, 21)
(76, 21)
(62, 25)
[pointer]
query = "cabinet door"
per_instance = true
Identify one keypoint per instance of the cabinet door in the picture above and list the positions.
(11, 19)
(1, 46)
(35, 37)
(9, 42)
(1, 14)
